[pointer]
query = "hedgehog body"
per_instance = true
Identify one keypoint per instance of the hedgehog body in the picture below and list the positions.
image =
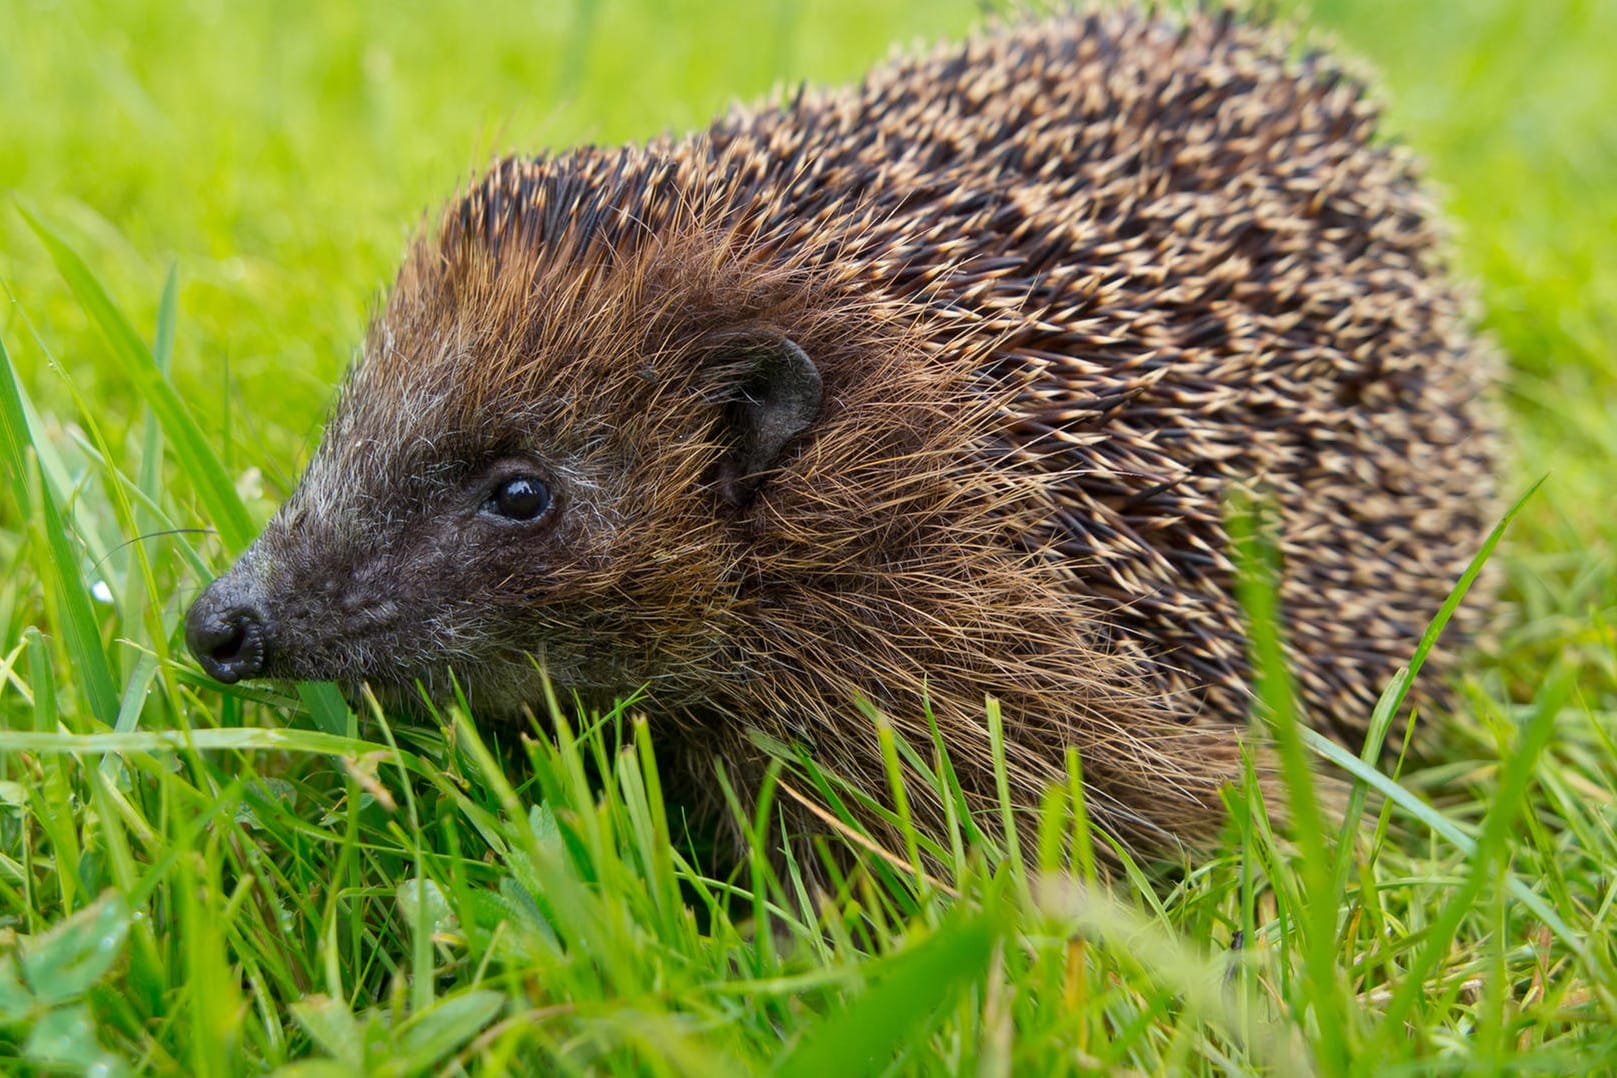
(921, 392)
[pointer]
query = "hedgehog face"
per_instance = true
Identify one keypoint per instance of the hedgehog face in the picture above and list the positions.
(458, 529)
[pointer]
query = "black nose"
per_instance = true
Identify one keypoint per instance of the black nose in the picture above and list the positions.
(226, 631)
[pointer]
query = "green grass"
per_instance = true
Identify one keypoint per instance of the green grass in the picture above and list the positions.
(204, 201)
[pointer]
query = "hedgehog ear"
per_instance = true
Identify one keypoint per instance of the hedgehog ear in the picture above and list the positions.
(776, 395)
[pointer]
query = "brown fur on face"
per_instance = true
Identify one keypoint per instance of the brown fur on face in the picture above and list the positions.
(1065, 286)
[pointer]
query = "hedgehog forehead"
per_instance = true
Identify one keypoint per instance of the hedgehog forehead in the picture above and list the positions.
(508, 375)
(401, 424)
(492, 335)
(419, 414)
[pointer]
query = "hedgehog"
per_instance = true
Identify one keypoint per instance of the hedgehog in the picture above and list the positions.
(911, 397)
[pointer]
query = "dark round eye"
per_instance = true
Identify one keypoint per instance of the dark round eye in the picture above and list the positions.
(521, 498)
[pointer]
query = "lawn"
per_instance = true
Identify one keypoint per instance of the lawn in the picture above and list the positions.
(204, 203)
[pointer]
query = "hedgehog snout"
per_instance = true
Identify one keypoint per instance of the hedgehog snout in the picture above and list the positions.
(228, 629)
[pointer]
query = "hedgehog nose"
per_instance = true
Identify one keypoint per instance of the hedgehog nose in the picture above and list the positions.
(226, 631)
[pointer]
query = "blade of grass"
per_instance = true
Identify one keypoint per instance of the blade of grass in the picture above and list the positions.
(1002, 791)
(1257, 588)
(238, 739)
(327, 708)
(56, 472)
(52, 798)
(212, 483)
(914, 985)
(81, 630)
(149, 476)
(1491, 849)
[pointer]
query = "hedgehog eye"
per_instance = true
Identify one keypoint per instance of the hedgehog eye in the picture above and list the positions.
(521, 498)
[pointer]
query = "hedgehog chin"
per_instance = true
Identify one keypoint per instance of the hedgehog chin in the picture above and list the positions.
(432, 697)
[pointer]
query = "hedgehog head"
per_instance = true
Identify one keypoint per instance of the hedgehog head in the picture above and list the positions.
(556, 451)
